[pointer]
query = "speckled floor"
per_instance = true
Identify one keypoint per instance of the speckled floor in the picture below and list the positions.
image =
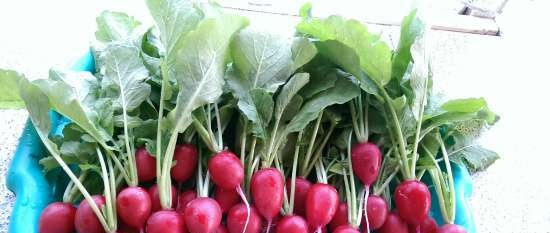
(512, 196)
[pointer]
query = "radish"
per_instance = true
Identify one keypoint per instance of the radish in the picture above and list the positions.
(340, 217)
(186, 157)
(166, 221)
(427, 226)
(85, 219)
(321, 205)
(202, 215)
(226, 198)
(155, 198)
(184, 199)
(451, 228)
(267, 186)
(345, 229)
(226, 170)
(377, 211)
(393, 224)
(412, 200)
(292, 224)
(57, 217)
(221, 229)
(313, 229)
(237, 220)
(134, 206)
(146, 167)
(366, 161)
(301, 188)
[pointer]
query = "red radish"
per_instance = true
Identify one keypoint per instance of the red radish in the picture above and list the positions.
(451, 228)
(85, 219)
(124, 228)
(313, 229)
(300, 192)
(202, 215)
(226, 198)
(221, 229)
(393, 224)
(412, 200)
(166, 221)
(267, 186)
(427, 226)
(321, 205)
(146, 165)
(183, 199)
(155, 198)
(226, 170)
(186, 157)
(134, 206)
(345, 229)
(237, 216)
(57, 217)
(340, 217)
(292, 224)
(366, 159)
(377, 211)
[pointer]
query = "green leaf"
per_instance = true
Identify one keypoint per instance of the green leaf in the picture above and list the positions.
(200, 65)
(411, 28)
(264, 60)
(289, 90)
(263, 104)
(321, 78)
(420, 76)
(113, 26)
(124, 76)
(132, 121)
(469, 105)
(292, 108)
(347, 59)
(302, 52)
(343, 91)
(374, 55)
(71, 94)
(476, 158)
(10, 92)
(174, 19)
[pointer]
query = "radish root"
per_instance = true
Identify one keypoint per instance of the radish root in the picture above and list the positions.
(365, 209)
(243, 197)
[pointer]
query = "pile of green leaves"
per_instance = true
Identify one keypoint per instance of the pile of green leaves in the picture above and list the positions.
(200, 75)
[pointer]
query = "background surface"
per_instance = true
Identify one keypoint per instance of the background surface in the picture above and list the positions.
(510, 71)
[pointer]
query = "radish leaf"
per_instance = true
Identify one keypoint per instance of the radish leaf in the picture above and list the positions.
(113, 26)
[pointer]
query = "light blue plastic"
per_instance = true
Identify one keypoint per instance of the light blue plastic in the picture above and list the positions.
(34, 192)
(25, 177)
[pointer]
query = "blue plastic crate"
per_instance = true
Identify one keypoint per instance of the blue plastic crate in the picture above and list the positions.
(34, 192)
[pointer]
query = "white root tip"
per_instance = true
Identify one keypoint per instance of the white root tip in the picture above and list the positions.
(243, 197)
(365, 209)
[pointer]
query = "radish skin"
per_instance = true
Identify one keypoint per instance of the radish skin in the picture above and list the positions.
(340, 217)
(155, 198)
(345, 229)
(134, 206)
(202, 215)
(377, 211)
(57, 217)
(292, 224)
(237, 220)
(267, 186)
(300, 193)
(321, 205)
(427, 226)
(183, 199)
(366, 161)
(221, 229)
(186, 157)
(226, 198)
(85, 219)
(451, 228)
(226, 170)
(412, 200)
(166, 221)
(393, 224)
(146, 165)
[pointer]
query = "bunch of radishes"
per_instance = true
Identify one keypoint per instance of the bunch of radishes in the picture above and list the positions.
(199, 125)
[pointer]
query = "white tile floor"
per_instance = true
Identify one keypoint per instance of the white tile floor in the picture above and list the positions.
(510, 71)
